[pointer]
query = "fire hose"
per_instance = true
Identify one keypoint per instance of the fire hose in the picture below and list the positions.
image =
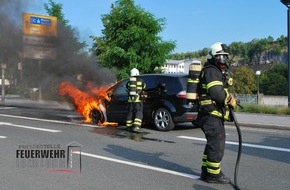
(236, 186)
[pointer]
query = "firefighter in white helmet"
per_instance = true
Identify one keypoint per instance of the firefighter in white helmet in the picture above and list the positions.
(135, 88)
(214, 102)
(134, 72)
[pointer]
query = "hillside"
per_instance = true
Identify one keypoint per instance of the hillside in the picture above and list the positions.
(256, 52)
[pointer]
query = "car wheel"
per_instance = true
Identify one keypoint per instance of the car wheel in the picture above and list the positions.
(163, 120)
(96, 117)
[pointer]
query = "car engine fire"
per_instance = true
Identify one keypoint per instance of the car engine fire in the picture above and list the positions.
(88, 102)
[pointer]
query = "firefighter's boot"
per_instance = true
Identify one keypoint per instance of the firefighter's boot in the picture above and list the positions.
(219, 178)
(130, 129)
(137, 129)
(204, 172)
(203, 175)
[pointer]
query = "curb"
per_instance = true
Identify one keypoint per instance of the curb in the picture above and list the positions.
(256, 125)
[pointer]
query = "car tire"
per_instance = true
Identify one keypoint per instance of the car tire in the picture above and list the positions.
(96, 117)
(163, 120)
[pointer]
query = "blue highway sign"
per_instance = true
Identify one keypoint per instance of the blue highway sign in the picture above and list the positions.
(40, 21)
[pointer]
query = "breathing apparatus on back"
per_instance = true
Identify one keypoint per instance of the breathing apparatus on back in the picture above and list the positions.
(192, 82)
(133, 83)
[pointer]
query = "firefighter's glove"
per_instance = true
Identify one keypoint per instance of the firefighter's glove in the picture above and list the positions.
(143, 95)
(230, 81)
(231, 101)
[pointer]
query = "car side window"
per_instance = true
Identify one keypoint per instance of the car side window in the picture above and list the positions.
(175, 84)
(120, 88)
(150, 82)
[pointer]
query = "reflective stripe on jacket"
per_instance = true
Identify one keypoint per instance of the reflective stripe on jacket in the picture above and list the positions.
(213, 91)
(135, 87)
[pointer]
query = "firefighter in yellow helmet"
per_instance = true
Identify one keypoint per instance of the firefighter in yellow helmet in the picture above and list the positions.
(135, 88)
(214, 101)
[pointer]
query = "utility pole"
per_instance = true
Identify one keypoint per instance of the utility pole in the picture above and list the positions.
(287, 4)
(3, 67)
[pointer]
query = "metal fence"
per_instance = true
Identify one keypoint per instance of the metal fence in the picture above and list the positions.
(247, 98)
(263, 99)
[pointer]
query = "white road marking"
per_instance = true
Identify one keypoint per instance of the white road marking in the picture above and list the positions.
(6, 108)
(243, 144)
(29, 127)
(139, 165)
(3, 137)
(34, 119)
(51, 121)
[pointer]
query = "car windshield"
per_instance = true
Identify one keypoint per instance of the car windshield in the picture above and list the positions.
(120, 87)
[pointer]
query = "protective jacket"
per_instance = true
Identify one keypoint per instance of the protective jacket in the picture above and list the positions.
(212, 91)
(135, 87)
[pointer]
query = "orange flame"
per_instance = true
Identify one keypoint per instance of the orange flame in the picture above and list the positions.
(85, 102)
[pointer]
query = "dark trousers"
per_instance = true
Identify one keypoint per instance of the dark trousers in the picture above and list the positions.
(214, 130)
(135, 114)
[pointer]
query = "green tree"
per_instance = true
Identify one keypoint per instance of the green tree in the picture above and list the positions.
(236, 49)
(130, 39)
(55, 9)
(275, 80)
(244, 80)
(281, 45)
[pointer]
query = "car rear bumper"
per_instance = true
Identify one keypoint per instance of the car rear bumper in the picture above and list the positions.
(186, 117)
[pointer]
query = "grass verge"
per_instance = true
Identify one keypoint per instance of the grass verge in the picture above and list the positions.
(254, 108)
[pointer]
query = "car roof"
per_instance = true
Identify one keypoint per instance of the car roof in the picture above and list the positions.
(158, 74)
(166, 74)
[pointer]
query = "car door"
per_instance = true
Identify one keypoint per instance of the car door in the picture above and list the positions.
(118, 105)
(151, 84)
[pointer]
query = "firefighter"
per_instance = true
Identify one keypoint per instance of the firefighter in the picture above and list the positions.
(214, 101)
(135, 88)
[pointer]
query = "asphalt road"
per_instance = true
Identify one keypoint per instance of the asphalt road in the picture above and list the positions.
(112, 158)
(66, 111)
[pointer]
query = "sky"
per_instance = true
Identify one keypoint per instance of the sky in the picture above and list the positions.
(192, 24)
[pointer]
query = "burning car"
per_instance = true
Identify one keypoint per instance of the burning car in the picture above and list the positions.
(166, 104)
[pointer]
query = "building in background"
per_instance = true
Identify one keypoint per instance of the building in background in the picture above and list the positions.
(178, 66)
